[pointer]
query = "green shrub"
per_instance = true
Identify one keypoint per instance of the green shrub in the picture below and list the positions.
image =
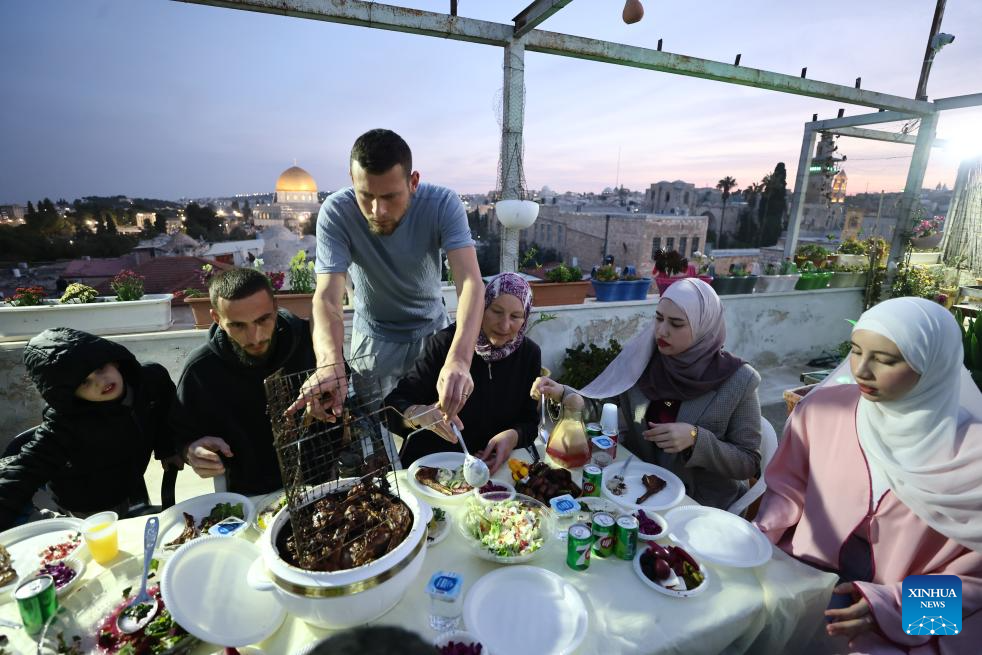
(564, 273)
(302, 277)
(582, 365)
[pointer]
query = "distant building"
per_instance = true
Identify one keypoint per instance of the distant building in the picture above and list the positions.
(294, 201)
(632, 238)
(12, 213)
(677, 198)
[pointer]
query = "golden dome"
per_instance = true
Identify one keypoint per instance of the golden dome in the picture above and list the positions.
(295, 179)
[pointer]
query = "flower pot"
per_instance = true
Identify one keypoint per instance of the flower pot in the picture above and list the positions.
(609, 291)
(550, 294)
(793, 396)
(299, 304)
(841, 279)
(724, 285)
(776, 283)
(931, 241)
(664, 282)
(638, 289)
(925, 258)
(851, 260)
(745, 284)
(151, 313)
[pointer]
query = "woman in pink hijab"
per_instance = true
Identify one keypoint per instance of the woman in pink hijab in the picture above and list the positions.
(879, 477)
(686, 404)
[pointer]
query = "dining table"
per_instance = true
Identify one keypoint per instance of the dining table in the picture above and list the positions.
(763, 609)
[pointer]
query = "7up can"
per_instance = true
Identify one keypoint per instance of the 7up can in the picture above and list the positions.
(37, 602)
(578, 547)
(603, 534)
(626, 534)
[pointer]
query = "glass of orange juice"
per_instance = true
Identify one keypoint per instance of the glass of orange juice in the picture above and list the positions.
(99, 532)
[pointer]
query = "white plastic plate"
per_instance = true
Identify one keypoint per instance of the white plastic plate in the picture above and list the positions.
(205, 587)
(437, 460)
(544, 614)
(671, 495)
(172, 519)
(25, 542)
(674, 593)
(719, 537)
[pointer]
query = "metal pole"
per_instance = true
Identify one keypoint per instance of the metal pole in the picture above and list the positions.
(879, 212)
(929, 51)
(800, 186)
(512, 122)
(910, 201)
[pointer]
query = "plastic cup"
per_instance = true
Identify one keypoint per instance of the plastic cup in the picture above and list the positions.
(101, 536)
(608, 418)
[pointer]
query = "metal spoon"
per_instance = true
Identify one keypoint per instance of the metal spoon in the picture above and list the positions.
(143, 608)
(476, 472)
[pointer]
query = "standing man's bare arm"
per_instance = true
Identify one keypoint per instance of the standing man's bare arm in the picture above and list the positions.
(330, 378)
(454, 384)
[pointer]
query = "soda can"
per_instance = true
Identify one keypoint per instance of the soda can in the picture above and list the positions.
(603, 534)
(592, 479)
(593, 430)
(626, 537)
(37, 602)
(578, 545)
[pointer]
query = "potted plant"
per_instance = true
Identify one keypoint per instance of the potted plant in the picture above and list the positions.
(671, 266)
(811, 252)
(927, 232)
(847, 275)
(851, 251)
(564, 285)
(777, 278)
(127, 285)
(78, 293)
(972, 346)
(299, 299)
(739, 281)
(812, 277)
(28, 312)
(609, 285)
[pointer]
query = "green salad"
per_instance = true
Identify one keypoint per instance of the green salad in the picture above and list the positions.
(507, 529)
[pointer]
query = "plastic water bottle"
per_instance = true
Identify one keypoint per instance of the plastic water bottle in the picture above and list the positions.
(445, 602)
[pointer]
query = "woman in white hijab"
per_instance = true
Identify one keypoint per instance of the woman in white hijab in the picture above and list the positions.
(879, 477)
(686, 404)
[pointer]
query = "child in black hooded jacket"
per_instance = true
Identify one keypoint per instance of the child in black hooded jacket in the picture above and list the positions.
(105, 415)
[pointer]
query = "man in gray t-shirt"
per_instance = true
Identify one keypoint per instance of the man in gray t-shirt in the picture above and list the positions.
(387, 230)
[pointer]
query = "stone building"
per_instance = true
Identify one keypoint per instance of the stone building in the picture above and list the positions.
(677, 198)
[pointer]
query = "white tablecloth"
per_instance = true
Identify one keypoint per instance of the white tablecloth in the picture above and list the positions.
(743, 610)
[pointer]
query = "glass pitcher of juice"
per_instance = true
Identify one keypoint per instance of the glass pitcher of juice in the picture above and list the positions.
(568, 444)
(101, 536)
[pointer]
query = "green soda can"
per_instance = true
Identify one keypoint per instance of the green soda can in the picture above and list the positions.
(592, 479)
(626, 537)
(603, 534)
(593, 430)
(578, 544)
(37, 602)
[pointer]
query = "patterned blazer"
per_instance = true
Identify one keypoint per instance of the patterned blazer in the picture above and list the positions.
(727, 450)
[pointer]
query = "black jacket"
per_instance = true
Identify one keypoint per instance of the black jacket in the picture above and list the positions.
(93, 455)
(220, 396)
(500, 400)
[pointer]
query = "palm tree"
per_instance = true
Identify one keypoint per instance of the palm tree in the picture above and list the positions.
(724, 186)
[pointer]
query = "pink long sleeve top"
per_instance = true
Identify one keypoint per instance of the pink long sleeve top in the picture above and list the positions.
(819, 493)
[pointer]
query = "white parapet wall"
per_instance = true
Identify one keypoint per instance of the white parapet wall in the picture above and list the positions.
(765, 329)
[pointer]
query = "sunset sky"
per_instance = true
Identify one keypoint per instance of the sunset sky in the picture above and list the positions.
(152, 98)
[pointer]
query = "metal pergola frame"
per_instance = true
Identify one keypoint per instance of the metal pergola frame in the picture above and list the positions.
(523, 35)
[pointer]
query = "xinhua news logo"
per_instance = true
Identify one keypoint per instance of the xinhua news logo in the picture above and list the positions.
(932, 605)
